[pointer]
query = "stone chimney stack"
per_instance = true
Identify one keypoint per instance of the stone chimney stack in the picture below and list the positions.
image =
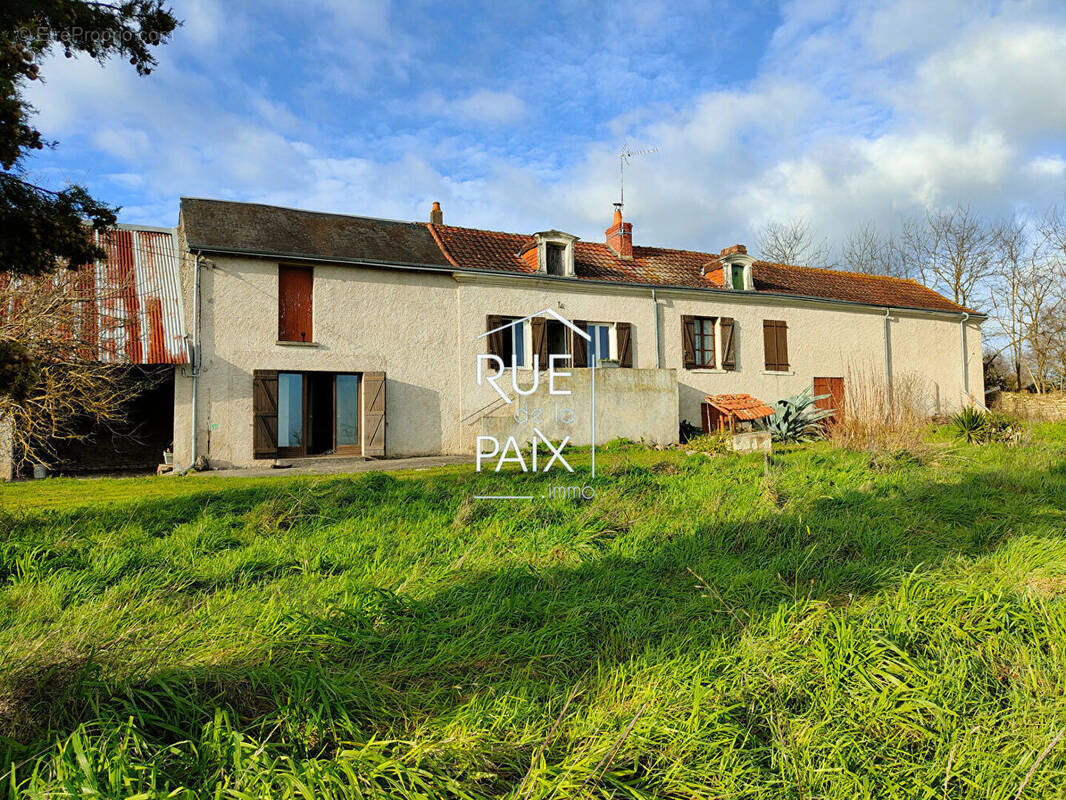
(620, 235)
(436, 216)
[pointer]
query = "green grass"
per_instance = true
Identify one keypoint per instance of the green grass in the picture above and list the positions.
(845, 625)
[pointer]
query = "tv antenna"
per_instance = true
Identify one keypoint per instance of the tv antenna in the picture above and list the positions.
(623, 158)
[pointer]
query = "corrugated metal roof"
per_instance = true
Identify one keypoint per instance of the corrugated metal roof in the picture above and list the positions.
(139, 288)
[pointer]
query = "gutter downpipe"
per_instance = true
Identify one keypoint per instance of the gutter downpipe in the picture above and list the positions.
(888, 359)
(965, 365)
(195, 360)
(655, 309)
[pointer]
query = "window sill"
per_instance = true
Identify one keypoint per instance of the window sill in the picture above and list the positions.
(710, 370)
(782, 373)
(281, 343)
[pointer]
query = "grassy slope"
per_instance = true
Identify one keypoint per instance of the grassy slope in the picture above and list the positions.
(847, 626)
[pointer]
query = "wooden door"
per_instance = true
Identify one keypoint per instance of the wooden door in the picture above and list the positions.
(834, 387)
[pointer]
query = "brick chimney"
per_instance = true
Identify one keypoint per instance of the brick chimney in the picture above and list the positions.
(436, 216)
(620, 235)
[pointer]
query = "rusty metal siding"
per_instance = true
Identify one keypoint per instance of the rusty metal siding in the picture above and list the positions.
(140, 318)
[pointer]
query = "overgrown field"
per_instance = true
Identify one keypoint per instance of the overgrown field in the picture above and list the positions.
(840, 625)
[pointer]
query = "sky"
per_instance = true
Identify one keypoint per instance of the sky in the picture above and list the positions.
(512, 115)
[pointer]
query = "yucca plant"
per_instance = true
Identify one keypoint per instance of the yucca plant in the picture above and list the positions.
(970, 424)
(796, 418)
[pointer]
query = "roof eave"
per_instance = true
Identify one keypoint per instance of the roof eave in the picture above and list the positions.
(207, 249)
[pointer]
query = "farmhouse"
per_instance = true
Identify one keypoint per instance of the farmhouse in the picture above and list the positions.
(315, 334)
(273, 333)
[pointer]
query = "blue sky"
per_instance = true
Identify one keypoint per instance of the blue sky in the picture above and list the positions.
(512, 115)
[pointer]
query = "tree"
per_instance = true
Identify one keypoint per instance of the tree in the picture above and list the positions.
(952, 250)
(47, 382)
(865, 250)
(1029, 297)
(792, 243)
(53, 376)
(40, 228)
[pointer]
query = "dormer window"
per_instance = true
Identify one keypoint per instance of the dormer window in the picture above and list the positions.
(555, 253)
(736, 268)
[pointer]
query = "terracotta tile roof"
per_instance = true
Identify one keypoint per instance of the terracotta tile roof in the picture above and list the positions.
(855, 287)
(214, 225)
(743, 406)
(472, 248)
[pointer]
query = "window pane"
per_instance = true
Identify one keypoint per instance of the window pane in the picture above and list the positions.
(604, 350)
(290, 409)
(347, 410)
(519, 344)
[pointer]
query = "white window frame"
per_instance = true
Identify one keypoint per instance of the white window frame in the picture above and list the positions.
(527, 347)
(612, 342)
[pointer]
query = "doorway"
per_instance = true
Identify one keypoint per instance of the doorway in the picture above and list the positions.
(834, 388)
(318, 414)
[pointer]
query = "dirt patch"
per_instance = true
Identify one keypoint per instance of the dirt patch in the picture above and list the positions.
(1046, 585)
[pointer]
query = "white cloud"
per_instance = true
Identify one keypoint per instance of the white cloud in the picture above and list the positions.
(857, 112)
(483, 106)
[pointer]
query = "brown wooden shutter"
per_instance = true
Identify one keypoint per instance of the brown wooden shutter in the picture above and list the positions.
(782, 346)
(775, 344)
(688, 342)
(579, 345)
(265, 413)
(624, 334)
(495, 340)
(374, 414)
(729, 343)
(538, 334)
(769, 343)
(295, 292)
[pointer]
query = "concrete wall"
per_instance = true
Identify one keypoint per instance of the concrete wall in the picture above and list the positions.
(421, 329)
(630, 404)
(7, 450)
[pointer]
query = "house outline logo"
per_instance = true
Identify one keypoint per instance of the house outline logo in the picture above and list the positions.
(536, 368)
(544, 312)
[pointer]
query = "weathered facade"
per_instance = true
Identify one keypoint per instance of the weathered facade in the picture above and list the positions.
(130, 313)
(372, 345)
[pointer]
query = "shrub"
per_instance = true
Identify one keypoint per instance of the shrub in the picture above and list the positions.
(688, 431)
(796, 419)
(716, 444)
(980, 427)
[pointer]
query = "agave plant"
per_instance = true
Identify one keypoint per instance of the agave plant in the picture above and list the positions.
(969, 424)
(797, 419)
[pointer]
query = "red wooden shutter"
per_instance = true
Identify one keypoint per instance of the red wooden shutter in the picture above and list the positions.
(374, 414)
(624, 335)
(729, 346)
(688, 342)
(265, 413)
(579, 345)
(538, 333)
(830, 392)
(295, 292)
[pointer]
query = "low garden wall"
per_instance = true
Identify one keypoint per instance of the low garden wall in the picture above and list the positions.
(1033, 406)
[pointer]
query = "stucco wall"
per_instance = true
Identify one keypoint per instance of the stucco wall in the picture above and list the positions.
(630, 404)
(422, 330)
